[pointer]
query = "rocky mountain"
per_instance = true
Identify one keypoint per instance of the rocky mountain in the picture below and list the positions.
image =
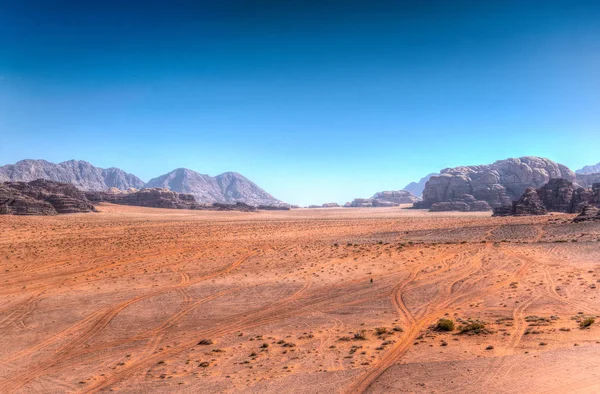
(161, 198)
(78, 173)
(558, 195)
(417, 188)
(498, 184)
(529, 203)
(229, 187)
(466, 203)
(390, 198)
(42, 197)
(587, 180)
(593, 169)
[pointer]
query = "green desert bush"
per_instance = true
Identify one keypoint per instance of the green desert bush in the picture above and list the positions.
(473, 328)
(587, 322)
(445, 325)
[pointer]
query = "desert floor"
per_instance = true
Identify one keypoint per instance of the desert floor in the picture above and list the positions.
(325, 300)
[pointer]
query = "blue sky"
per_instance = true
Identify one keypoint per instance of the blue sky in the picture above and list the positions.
(315, 101)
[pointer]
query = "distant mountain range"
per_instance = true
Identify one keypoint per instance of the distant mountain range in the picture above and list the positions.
(497, 184)
(80, 174)
(229, 187)
(417, 188)
(593, 169)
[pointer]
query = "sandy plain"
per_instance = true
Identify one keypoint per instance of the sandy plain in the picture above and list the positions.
(143, 300)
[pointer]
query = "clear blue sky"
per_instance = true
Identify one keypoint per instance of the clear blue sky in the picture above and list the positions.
(315, 101)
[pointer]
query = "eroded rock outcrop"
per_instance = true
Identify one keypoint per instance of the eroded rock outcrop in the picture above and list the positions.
(151, 197)
(42, 197)
(529, 203)
(370, 203)
(274, 207)
(162, 198)
(390, 198)
(588, 214)
(238, 206)
(498, 184)
(396, 196)
(558, 195)
(466, 203)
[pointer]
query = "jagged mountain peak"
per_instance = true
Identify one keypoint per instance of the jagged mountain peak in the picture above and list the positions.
(228, 187)
(591, 169)
(79, 173)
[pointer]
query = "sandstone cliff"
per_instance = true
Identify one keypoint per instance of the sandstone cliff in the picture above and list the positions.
(42, 197)
(529, 203)
(162, 198)
(558, 195)
(465, 203)
(498, 184)
(588, 214)
(390, 198)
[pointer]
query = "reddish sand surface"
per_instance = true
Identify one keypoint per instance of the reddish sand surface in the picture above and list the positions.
(143, 300)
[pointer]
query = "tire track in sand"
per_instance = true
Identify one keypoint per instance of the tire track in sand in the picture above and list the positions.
(97, 322)
(449, 294)
(416, 323)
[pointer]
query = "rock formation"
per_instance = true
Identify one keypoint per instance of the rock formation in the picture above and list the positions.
(498, 184)
(396, 196)
(80, 174)
(465, 203)
(593, 169)
(152, 197)
(238, 206)
(326, 205)
(391, 198)
(229, 187)
(280, 207)
(587, 180)
(42, 197)
(588, 214)
(558, 195)
(370, 203)
(529, 204)
(162, 198)
(417, 188)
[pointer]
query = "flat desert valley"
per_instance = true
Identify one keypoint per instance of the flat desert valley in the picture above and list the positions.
(143, 300)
